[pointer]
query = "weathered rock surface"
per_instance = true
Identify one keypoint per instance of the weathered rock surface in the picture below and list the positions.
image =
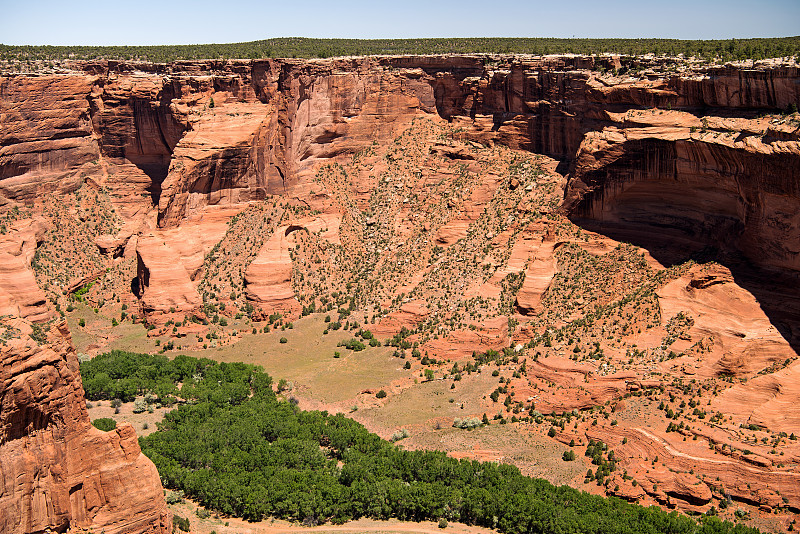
(698, 188)
(671, 475)
(45, 141)
(767, 401)
(57, 470)
(409, 316)
(20, 296)
(390, 180)
(731, 316)
(538, 274)
(164, 283)
(268, 280)
(191, 134)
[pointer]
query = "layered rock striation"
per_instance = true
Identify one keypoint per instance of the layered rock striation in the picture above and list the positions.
(59, 472)
(404, 189)
(655, 155)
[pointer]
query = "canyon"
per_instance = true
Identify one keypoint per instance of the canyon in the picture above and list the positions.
(611, 231)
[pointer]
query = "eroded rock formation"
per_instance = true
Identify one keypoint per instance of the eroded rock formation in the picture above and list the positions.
(192, 134)
(406, 190)
(58, 471)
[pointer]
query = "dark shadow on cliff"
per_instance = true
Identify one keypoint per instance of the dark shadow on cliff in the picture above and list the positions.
(156, 168)
(776, 290)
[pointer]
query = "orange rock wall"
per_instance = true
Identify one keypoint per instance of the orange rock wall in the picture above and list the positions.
(168, 140)
(57, 470)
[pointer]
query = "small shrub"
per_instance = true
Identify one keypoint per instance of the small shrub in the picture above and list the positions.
(353, 344)
(469, 423)
(400, 434)
(443, 523)
(181, 523)
(174, 497)
(106, 424)
(284, 340)
(139, 406)
(381, 394)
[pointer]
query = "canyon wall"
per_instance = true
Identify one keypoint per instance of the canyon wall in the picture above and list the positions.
(58, 472)
(190, 134)
(665, 155)
(675, 158)
(641, 156)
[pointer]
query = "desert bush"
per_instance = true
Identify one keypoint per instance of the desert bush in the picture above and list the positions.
(173, 497)
(400, 434)
(181, 523)
(352, 344)
(468, 423)
(105, 424)
(140, 406)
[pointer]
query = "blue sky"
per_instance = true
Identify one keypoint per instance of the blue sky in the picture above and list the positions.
(65, 22)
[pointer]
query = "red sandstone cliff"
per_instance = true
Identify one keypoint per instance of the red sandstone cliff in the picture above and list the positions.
(166, 141)
(57, 470)
(679, 163)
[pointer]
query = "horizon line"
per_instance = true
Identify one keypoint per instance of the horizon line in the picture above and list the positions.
(573, 38)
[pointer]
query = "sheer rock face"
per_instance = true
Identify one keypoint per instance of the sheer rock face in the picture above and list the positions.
(47, 136)
(167, 141)
(19, 294)
(164, 283)
(694, 185)
(268, 280)
(57, 470)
